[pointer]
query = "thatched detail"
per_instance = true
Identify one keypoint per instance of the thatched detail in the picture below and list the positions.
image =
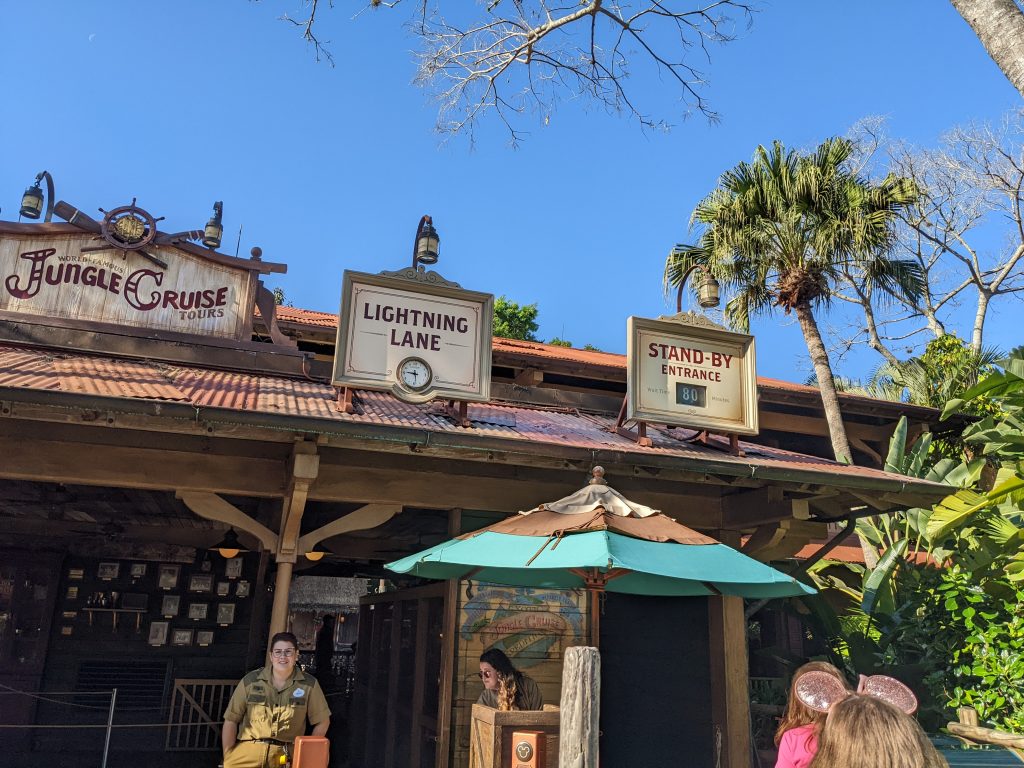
(325, 593)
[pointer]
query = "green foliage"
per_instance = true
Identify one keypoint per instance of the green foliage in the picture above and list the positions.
(280, 299)
(591, 348)
(940, 603)
(557, 342)
(780, 231)
(515, 321)
(947, 367)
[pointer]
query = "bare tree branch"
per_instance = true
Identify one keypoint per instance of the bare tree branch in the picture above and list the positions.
(971, 186)
(526, 56)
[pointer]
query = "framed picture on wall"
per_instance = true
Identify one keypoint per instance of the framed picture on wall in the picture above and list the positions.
(138, 570)
(233, 569)
(158, 632)
(225, 613)
(181, 637)
(168, 576)
(223, 588)
(76, 574)
(108, 571)
(171, 605)
(72, 593)
(204, 637)
(242, 588)
(198, 611)
(200, 582)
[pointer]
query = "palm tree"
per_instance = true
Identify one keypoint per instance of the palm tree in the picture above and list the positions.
(778, 231)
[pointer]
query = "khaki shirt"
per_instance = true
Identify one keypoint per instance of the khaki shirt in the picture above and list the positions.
(266, 713)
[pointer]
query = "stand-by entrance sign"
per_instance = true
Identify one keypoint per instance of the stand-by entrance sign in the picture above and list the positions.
(414, 334)
(700, 376)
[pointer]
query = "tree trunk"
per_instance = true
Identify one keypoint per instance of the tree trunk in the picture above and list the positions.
(979, 321)
(999, 24)
(826, 382)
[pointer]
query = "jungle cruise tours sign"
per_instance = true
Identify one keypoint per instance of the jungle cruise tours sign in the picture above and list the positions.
(687, 371)
(68, 276)
(414, 334)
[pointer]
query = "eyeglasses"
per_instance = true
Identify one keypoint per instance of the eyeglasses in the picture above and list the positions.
(287, 654)
(485, 674)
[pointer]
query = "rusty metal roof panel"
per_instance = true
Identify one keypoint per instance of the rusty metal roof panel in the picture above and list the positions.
(42, 370)
(27, 368)
(116, 378)
(296, 397)
(221, 389)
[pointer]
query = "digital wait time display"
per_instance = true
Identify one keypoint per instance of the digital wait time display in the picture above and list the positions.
(693, 395)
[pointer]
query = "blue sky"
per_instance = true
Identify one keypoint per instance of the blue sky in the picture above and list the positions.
(186, 102)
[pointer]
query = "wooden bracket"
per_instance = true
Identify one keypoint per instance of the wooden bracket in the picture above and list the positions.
(701, 436)
(345, 404)
(640, 436)
(457, 411)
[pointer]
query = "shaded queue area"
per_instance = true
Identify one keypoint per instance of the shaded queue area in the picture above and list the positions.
(119, 571)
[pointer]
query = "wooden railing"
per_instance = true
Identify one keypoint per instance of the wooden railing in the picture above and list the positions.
(197, 707)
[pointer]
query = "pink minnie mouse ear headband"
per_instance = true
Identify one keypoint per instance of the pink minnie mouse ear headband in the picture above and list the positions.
(821, 691)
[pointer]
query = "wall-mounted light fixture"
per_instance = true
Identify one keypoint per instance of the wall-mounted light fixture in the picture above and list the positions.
(32, 200)
(425, 246)
(214, 227)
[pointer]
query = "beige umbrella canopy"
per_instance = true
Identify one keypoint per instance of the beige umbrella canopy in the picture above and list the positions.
(596, 507)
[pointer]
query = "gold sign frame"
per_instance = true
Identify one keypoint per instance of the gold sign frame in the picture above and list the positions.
(699, 334)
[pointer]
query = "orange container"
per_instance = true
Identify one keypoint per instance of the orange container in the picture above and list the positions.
(311, 752)
(528, 749)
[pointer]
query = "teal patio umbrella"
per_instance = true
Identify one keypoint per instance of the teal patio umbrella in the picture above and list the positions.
(598, 540)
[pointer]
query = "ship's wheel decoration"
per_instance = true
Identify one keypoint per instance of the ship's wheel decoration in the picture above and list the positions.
(128, 227)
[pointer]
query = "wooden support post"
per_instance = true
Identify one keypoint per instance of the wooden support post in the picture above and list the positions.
(730, 700)
(395, 674)
(345, 404)
(279, 611)
(448, 641)
(419, 680)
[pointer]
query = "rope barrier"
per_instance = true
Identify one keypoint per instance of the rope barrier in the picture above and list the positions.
(9, 690)
(127, 725)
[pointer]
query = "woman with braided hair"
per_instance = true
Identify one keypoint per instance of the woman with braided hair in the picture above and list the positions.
(505, 687)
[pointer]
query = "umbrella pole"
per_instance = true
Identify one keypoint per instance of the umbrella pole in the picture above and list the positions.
(595, 615)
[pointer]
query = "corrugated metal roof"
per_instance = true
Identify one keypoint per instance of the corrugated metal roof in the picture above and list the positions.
(115, 378)
(543, 351)
(108, 377)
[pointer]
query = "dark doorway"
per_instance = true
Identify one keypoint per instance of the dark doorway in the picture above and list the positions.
(655, 683)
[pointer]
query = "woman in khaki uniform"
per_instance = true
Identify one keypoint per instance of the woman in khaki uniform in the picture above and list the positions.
(269, 709)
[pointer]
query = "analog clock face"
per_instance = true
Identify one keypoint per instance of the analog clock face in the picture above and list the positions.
(414, 373)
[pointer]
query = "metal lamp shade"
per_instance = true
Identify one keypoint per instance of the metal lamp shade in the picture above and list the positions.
(213, 233)
(229, 546)
(32, 202)
(708, 292)
(427, 245)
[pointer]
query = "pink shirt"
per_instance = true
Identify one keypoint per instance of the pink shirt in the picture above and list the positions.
(797, 747)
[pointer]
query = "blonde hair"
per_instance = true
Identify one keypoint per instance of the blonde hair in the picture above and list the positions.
(509, 679)
(866, 732)
(797, 713)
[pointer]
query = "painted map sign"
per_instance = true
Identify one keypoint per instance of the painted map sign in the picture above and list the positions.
(698, 376)
(52, 276)
(414, 334)
(529, 625)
